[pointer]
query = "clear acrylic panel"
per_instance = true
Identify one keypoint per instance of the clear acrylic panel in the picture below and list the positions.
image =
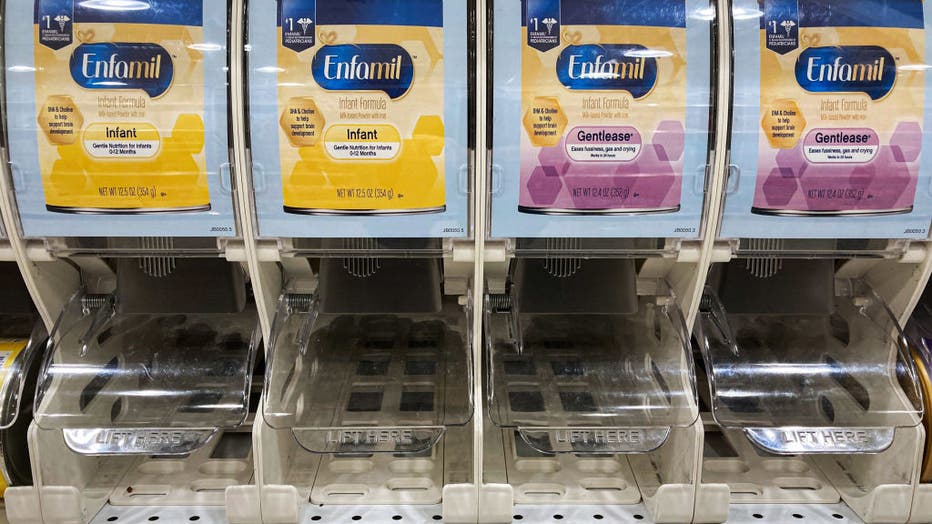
(366, 383)
(833, 381)
(595, 247)
(22, 340)
(919, 328)
(591, 383)
(826, 248)
(113, 247)
(365, 247)
(145, 383)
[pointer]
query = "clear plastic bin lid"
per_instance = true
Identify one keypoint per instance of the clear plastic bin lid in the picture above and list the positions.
(367, 383)
(833, 381)
(145, 383)
(919, 328)
(22, 340)
(596, 383)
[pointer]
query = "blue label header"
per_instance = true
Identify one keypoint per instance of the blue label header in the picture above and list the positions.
(781, 25)
(298, 20)
(905, 14)
(55, 21)
(542, 18)
(364, 67)
(147, 67)
(656, 13)
(847, 69)
(609, 67)
(417, 13)
(167, 12)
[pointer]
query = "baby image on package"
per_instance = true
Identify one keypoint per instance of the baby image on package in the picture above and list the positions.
(120, 108)
(361, 107)
(842, 98)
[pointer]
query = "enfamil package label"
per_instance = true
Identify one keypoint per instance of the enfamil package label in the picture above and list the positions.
(116, 108)
(841, 111)
(606, 143)
(367, 127)
(609, 137)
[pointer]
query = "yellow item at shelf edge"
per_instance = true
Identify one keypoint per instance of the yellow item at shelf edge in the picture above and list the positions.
(9, 351)
(925, 382)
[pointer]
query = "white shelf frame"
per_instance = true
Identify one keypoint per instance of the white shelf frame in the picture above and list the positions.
(51, 281)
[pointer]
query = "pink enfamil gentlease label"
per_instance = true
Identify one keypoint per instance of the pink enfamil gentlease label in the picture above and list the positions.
(841, 109)
(603, 108)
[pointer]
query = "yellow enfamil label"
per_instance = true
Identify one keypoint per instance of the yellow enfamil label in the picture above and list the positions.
(361, 96)
(120, 100)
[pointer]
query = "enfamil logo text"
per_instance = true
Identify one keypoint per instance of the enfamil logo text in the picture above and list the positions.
(147, 67)
(364, 67)
(608, 67)
(867, 69)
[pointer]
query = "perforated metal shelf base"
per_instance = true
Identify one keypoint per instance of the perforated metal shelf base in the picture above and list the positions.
(614, 514)
(523, 514)
(160, 515)
(790, 513)
(332, 514)
(311, 514)
(637, 514)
